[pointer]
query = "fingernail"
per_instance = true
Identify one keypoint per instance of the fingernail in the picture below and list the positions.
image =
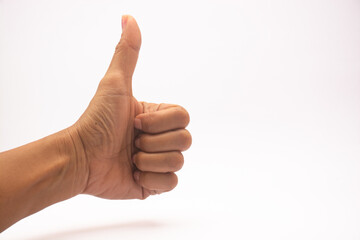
(137, 176)
(133, 158)
(137, 123)
(123, 22)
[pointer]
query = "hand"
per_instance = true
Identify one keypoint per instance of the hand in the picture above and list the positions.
(116, 167)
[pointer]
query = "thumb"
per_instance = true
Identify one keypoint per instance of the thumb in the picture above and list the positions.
(127, 50)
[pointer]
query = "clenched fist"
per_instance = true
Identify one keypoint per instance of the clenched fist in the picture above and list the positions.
(129, 149)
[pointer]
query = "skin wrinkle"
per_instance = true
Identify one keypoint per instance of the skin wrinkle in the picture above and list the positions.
(86, 157)
(94, 155)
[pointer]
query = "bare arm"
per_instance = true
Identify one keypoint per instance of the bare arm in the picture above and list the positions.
(37, 175)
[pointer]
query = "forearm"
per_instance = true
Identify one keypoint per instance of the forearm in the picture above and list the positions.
(40, 174)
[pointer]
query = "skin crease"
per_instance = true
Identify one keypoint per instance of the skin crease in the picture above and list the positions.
(110, 116)
(119, 148)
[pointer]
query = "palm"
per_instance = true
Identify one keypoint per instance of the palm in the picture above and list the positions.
(106, 127)
(110, 118)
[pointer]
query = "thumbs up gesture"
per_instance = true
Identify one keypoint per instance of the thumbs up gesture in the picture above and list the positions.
(129, 149)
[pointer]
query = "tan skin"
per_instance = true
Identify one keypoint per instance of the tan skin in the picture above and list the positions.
(119, 148)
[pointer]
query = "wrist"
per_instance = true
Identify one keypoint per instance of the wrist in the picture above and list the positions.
(40, 174)
(77, 168)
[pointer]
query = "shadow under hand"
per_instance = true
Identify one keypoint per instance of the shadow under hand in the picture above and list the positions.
(105, 232)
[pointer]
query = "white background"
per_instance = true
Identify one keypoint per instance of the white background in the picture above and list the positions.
(272, 87)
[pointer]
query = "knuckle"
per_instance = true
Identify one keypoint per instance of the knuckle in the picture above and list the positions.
(147, 123)
(119, 47)
(111, 77)
(124, 45)
(110, 84)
